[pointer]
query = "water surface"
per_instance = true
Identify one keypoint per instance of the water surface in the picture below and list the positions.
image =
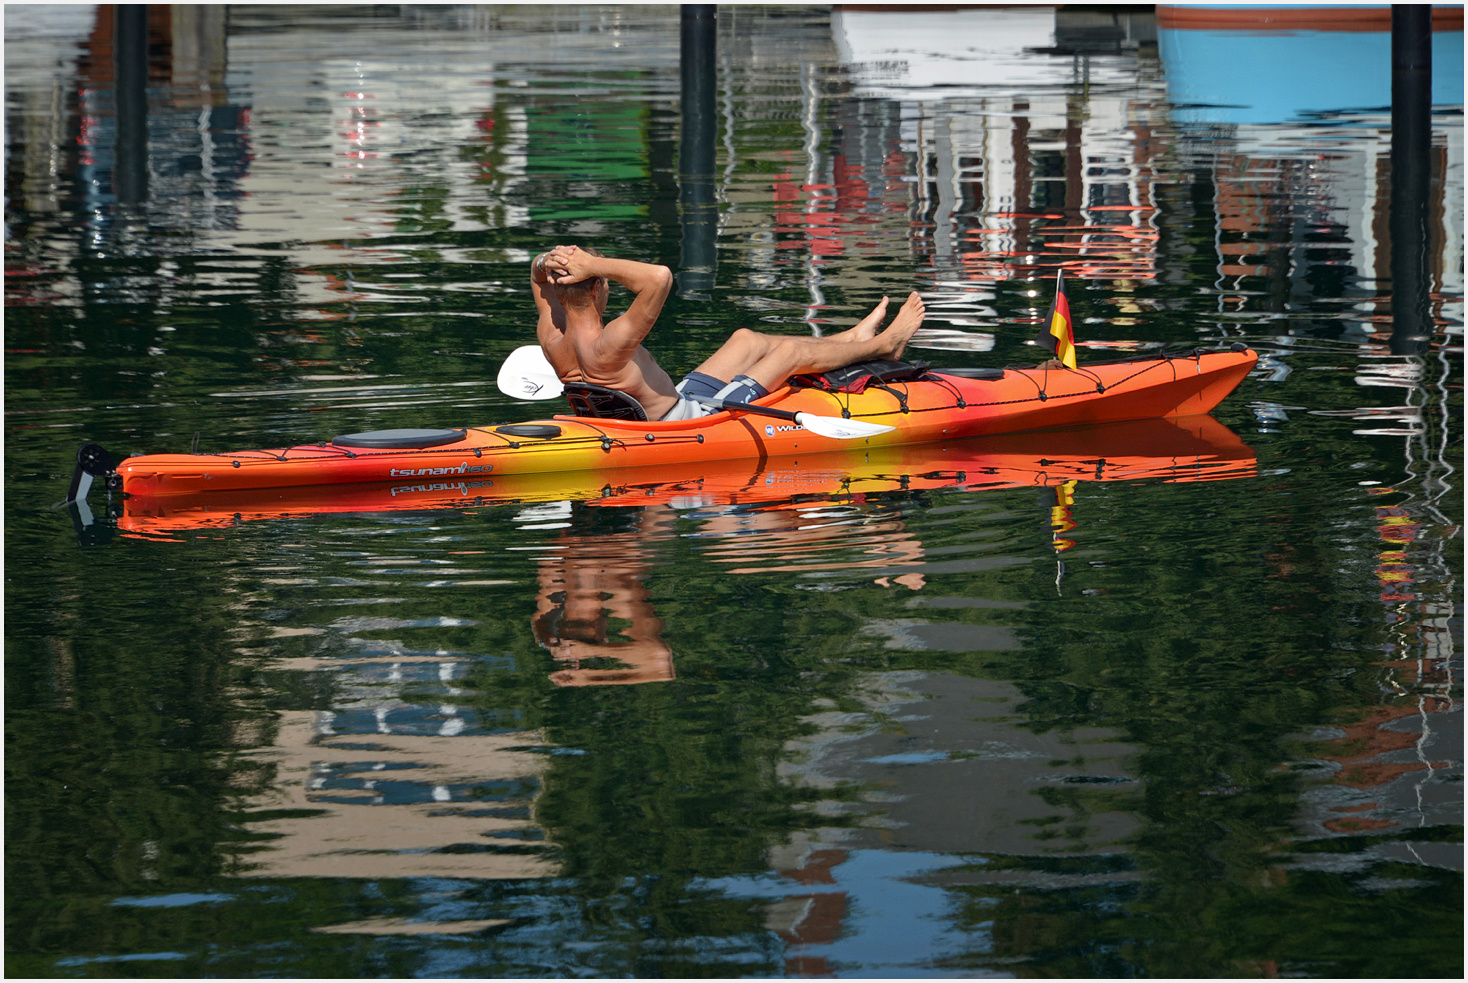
(1178, 700)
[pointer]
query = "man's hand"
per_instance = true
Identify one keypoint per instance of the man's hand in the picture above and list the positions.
(551, 266)
(566, 265)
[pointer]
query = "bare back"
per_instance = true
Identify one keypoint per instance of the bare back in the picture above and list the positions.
(579, 346)
(639, 376)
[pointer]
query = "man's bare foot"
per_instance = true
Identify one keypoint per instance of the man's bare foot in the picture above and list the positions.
(909, 318)
(866, 328)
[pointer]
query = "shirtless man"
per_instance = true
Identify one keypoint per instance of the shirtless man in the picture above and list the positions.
(571, 285)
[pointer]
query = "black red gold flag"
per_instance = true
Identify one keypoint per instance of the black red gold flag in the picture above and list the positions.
(1059, 334)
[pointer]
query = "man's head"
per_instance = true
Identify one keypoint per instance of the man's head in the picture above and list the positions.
(591, 293)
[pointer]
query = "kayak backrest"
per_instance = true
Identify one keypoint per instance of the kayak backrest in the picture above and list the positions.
(601, 403)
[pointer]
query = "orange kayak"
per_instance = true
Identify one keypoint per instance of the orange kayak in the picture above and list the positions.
(925, 407)
(1184, 449)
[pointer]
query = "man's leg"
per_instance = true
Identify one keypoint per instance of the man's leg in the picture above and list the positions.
(771, 359)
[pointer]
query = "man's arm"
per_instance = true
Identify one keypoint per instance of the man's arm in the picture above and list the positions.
(650, 285)
(549, 314)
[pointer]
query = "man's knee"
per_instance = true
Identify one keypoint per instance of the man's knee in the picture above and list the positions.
(745, 346)
(745, 337)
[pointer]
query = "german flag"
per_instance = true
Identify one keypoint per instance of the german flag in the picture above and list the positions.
(1059, 335)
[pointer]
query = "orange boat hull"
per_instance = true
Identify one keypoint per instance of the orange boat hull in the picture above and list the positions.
(1196, 448)
(921, 412)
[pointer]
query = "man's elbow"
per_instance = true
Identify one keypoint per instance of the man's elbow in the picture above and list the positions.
(663, 279)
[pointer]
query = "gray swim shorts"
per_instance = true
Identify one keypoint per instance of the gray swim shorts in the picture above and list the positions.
(695, 384)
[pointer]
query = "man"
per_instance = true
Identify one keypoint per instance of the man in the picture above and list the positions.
(571, 286)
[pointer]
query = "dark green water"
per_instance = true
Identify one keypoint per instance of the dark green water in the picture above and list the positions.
(1180, 728)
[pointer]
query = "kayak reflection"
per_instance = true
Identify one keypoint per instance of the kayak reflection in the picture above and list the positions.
(834, 512)
(798, 537)
(595, 611)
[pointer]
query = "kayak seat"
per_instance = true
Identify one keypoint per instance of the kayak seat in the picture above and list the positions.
(600, 403)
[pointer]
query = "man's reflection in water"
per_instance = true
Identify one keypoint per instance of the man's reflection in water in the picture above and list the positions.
(594, 609)
(589, 586)
(799, 540)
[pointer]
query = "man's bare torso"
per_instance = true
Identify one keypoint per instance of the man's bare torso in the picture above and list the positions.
(640, 377)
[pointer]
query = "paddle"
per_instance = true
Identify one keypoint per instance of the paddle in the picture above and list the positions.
(527, 375)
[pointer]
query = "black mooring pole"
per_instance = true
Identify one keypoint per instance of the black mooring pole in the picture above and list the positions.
(130, 91)
(698, 206)
(1411, 176)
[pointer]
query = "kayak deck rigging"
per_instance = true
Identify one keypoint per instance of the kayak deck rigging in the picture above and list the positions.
(335, 450)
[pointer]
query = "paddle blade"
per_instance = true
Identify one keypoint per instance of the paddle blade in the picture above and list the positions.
(830, 426)
(527, 375)
(825, 426)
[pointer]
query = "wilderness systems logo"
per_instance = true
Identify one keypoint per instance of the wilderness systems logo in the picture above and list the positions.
(465, 468)
(771, 429)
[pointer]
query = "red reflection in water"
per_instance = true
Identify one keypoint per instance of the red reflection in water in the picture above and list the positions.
(1390, 753)
(824, 217)
(819, 916)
